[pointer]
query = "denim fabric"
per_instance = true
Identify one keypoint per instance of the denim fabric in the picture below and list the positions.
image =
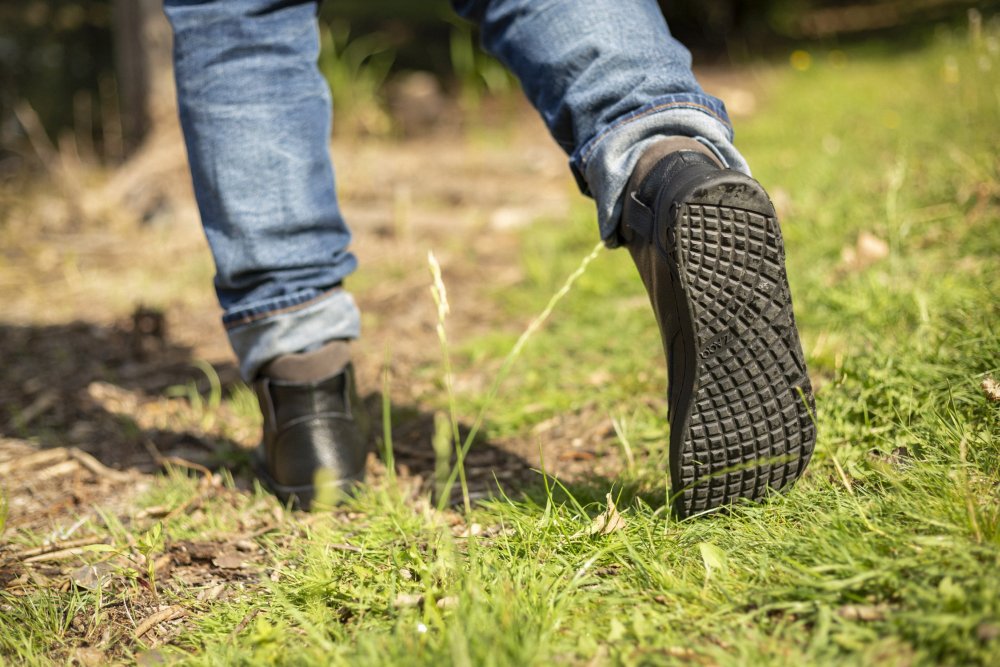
(606, 76)
(256, 116)
(608, 79)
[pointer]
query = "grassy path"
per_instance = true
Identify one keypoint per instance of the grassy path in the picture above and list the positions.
(885, 168)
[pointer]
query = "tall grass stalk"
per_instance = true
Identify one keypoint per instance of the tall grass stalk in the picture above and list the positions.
(387, 450)
(508, 363)
(440, 295)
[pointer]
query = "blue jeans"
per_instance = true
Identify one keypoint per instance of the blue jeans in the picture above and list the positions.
(606, 76)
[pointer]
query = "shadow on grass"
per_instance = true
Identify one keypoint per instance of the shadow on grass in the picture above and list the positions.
(100, 389)
(488, 467)
(83, 385)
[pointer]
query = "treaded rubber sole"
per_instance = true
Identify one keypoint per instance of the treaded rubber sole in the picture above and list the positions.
(747, 426)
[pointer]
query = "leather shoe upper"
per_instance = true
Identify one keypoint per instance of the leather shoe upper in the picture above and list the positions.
(311, 427)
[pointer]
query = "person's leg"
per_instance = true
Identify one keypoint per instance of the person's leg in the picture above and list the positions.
(617, 93)
(256, 116)
(609, 80)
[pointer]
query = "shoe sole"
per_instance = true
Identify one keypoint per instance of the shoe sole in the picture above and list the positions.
(745, 421)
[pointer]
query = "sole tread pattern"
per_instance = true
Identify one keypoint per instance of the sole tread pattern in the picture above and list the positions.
(750, 426)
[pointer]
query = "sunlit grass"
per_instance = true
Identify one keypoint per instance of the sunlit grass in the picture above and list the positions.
(886, 552)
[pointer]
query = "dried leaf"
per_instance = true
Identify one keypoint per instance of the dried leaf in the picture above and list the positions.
(449, 602)
(472, 530)
(867, 250)
(92, 577)
(609, 521)
(88, 657)
(212, 593)
(992, 389)
(715, 559)
(404, 600)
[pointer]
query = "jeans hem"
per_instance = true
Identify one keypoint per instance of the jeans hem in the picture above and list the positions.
(274, 307)
(713, 107)
(334, 315)
(609, 163)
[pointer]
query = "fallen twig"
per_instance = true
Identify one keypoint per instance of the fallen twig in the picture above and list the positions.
(164, 461)
(156, 512)
(45, 401)
(190, 505)
(56, 470)
(151, 621)
(184, 463)
(262, 531)
(57, 546)
(96, 467)
(241, 626)
(59, 555)
(42, 457)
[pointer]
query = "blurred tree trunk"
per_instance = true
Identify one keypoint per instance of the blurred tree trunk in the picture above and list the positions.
(143, 63)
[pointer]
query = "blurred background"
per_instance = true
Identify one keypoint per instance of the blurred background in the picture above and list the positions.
(93, 75)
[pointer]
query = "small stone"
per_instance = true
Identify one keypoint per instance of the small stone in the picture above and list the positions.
(471, 530)
(229, 562)
(987, 632)
(863, 612)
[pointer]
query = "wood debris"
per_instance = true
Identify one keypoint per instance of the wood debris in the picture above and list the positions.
(162, 616)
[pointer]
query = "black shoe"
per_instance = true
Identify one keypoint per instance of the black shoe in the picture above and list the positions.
(314, 447)
(707, 244)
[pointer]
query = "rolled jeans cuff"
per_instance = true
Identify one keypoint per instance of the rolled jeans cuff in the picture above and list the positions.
(292, 324)
(604, 164)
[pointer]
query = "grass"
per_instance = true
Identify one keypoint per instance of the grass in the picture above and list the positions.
(887, 551)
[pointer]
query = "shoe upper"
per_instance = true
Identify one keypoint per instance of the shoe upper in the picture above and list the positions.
(647, 235)
(309, 427)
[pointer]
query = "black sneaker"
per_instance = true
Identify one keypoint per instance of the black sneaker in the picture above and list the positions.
(314, 447)
(708, 247)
